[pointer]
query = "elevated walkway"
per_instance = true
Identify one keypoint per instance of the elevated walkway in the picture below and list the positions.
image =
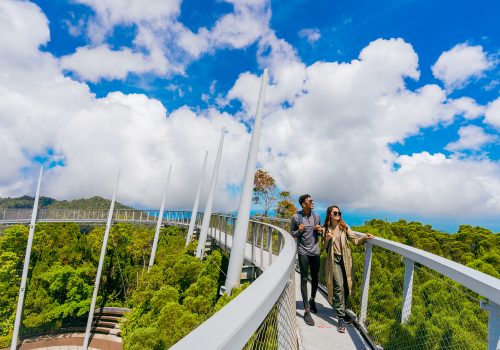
(275, 298)
(324, 334)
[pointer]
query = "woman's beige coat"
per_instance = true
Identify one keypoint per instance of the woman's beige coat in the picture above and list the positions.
(347, 258)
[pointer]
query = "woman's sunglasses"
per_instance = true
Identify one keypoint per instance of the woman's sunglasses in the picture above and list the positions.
(336, 213)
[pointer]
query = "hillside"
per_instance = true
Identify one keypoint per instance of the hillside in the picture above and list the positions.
(26, 202)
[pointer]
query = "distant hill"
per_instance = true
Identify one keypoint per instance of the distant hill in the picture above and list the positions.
(26, 202)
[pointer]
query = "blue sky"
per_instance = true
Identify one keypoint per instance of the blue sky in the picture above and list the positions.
(390, 109)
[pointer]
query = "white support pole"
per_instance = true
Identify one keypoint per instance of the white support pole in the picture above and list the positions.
(158, 223)
(240, 231)
(493, 324)
(22, 288)
(86, 340)
(192, 222)
(208, 208)
(366, 282)
(407, 290)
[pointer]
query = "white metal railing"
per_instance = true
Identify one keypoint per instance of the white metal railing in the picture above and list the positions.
(485, 285)
(269, 247)
(20, 216)
(233, 326)
(479, 282)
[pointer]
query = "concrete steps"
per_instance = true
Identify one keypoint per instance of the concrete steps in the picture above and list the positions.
(107, 320)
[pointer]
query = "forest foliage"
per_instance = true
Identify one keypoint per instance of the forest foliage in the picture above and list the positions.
(26, 202)
(180, 291)
(444, 314)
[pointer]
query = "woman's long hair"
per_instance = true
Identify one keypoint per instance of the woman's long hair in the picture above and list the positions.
(343, 225)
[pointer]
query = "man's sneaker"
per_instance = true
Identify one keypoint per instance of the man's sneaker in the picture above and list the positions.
(308, 318)
(341, 326)
(312, 305)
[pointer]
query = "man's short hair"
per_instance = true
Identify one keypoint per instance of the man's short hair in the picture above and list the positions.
(303, 198)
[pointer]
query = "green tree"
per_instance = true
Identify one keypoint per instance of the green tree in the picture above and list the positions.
(285, 207)
(264, 190)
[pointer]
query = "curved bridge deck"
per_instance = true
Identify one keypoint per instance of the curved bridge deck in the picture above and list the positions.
(323, 335)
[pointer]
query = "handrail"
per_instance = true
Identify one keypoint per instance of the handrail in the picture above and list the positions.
(479, 282)
(242, 316)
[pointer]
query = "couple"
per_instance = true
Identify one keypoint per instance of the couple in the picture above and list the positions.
(306, 228)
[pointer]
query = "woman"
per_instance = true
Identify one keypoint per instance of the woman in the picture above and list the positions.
(339, 268)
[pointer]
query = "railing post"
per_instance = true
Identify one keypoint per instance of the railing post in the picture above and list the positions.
(253, 242)
(366, 282)
(208, 208)
(22, 288)
(219, 224)
(225, 237)
(240, 232)
(261, 230)
(160, 217)
(222, 220)
(270, 244)
(407, 290)
(86, 340)
(493, 324)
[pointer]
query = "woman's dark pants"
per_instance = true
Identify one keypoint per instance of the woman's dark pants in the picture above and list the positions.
(340, 286)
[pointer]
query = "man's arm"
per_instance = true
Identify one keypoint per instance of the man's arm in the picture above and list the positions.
(294, 227)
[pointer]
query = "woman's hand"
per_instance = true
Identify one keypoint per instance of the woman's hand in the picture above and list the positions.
(367, 236)
(328, 234)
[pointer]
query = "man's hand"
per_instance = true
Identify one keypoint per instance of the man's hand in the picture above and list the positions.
(318, 228)
(301, 227)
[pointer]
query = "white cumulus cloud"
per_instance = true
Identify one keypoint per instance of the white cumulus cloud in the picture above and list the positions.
(459, 65)
(311, 34)
(493, 113)
(162, 45)
(471, 138)
(328, 130)
(95, 63)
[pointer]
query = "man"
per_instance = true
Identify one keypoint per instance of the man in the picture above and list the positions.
(305, 227)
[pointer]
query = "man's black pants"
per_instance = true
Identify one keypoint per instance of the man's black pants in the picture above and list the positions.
(306, 263)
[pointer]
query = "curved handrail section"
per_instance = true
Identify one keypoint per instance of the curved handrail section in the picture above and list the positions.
(234, 324)
(479, 282)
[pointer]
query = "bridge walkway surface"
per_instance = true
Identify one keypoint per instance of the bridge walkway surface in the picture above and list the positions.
(324, 334)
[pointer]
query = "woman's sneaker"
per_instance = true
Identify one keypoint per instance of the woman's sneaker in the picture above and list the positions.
(312, 305)
(347, 318)
(308, 318)
(341, 326)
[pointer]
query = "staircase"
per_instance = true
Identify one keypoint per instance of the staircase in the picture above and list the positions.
(107, 320)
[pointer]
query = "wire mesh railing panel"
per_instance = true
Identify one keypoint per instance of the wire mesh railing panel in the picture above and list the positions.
(279, 328)
(441, 315)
